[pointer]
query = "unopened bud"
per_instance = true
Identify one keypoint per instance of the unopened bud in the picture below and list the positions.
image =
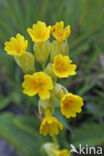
(26, 62)
(50, 148)
(59, 91)
(41, 52)
(56, 48)
(45, 104)
(49, 70)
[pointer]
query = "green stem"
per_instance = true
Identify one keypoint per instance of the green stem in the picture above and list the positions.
(43, 66)
(55, 141)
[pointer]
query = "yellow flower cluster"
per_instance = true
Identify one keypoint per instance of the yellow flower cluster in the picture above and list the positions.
(44, 82)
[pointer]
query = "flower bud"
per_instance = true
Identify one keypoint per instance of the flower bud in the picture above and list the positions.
(56, 48)
(26, 62)
(49, 70)
(45, 104)
(50, 148)
(41, 52)
(59, 91)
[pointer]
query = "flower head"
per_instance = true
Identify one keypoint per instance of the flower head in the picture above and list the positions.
(38, 83)
(71, 104)
(50, 126)
(63, 152)
(62, 66)
(59, 32)
(39, 32)
(17, 46)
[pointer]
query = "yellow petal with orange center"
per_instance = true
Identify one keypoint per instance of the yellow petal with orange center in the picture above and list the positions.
(39, 32)
(50, 125)
(37, 84)
(71, 104)
(62, 66)
(16, 46)
(59, 32)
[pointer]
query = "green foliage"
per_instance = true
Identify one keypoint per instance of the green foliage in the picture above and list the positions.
(86, 44)
(22, 140)
(4, 102)
(90, 133)
(27, 123)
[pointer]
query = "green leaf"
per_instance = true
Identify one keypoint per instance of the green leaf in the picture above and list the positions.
(96, 110)
(4, 101)
(28, 123)
(15, 97)
(22, 140)
(87, 87)
(88, 133)
(93, 59)
(64, 122)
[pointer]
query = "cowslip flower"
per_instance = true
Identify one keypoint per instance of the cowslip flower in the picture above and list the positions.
(63, 152)
(71, 104)
(59, 32)
(17, 46)
(38, 83)
(39, 32)
(62, 66)
(50, 125)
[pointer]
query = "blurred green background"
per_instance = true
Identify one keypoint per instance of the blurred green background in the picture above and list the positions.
(19, 124)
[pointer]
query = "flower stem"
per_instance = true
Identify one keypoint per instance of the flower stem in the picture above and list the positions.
(55, 141)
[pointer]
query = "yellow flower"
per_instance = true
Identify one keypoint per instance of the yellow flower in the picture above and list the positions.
(71, 104)
(38, 83)
(62, 66)
(50, 126)
(39, 32)
(59, 32)
(63, 152)
(17, 46)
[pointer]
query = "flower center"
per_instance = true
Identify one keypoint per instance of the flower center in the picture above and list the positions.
(39, 84)
(67, 102)
(40, 35)
(17, 49)
(54, 30)
(60, 67)
(66, 105)
(60, 35)
(71, 101)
